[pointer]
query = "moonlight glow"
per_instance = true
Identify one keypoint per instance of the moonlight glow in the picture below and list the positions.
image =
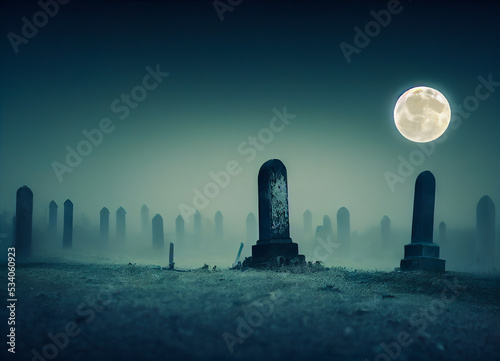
(422, 114)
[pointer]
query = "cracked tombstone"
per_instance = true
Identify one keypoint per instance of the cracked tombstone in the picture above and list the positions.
(274, 247)
(120, 224)
(53, 218)
(219, 230)
(68, 225)
(104, 225)
(485, 234)
(158, 237)
(23, 222)
(422, 253)
(180, 231)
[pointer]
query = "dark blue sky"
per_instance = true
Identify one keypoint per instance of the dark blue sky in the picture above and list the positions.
(225, 78)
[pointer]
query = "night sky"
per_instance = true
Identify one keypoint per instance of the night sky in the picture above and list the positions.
(226, 81)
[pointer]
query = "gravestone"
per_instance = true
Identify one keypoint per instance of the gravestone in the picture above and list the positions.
(219, 230)
(104, 225)
(274, 246)
(327, 225)
(321, 234)
(252, 232)
(145, 219)
(385, 229)
(343, 226)
(158, 238)
(442, 234)
(68, 224)
(422, 253)
(52, 218)
(485, 234)
(23, 222)
(120, 224)
(197, 226)
(171, 262)
(180, 232)
(307, 218)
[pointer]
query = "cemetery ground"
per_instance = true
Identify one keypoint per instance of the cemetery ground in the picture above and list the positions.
(96, 309)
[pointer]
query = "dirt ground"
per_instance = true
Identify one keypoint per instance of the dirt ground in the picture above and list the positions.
(78, 311)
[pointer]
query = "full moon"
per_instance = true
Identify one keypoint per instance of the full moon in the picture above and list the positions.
(422, 114)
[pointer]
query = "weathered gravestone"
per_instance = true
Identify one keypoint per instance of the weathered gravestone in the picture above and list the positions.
(171, 262)
(274, 247)
(385, 229)
(219, 230)
(104, 225)
(158, 237)
(343, 226)
(23, 222)
(120, 224)
(307, 218)
(53, 218)
(422, 253)
(68, 224)
(180, 231)
(485, 234)
(327, 225)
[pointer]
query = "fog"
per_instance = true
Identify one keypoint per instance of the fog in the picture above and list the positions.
(160, 103)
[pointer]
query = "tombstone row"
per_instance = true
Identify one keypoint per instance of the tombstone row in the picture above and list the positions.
(274, 245)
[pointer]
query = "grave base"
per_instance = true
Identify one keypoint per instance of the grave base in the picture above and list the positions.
(422, 256)
(272, 255)
(423, 263)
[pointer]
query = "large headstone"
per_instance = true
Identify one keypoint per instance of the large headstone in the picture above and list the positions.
(145, 219)
(52, 218)
(104, 225)
(158, 238)
(219, 230)
(343, 226)
(385, 229)
(120, 224)
(252, 229)
(274, 246)
(197, 226)
(485, 234)
(23, 222)
(307, 218)
(68, 224)
(422, 253)
(180, 231)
